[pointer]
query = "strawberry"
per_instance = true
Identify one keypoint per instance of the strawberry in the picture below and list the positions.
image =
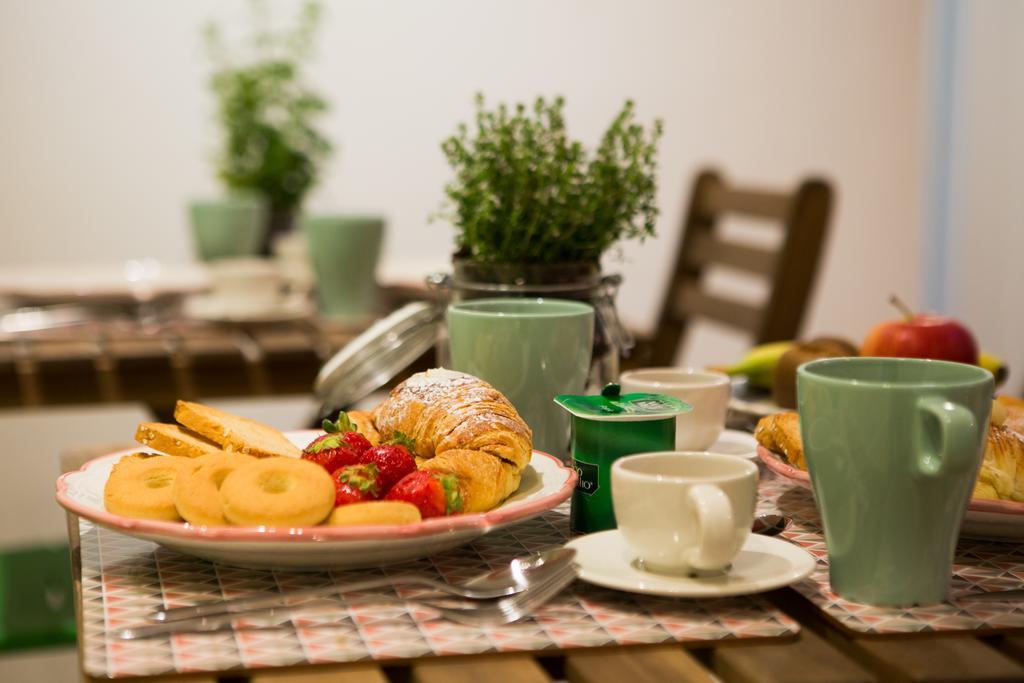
(341, 445)
(433, 493)
(356, 483)
(392, 458)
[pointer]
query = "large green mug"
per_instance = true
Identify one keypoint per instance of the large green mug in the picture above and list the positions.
(893, 446)
(531, 350)
(229, 227)
(344, 251)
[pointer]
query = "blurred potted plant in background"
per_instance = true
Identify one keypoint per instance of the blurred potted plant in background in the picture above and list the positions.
(271, 146)
(534, 210)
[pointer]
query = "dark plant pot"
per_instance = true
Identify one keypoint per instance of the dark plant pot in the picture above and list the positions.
(279, 222)
(575, 280)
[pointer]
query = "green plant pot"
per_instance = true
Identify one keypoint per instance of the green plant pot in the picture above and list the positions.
(345, 251)
(229, 227)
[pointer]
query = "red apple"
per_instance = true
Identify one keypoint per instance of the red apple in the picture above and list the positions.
(921, 336)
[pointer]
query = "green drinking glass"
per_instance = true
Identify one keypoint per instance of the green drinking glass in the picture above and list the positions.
(229, 227)
(344, 251)
(893, 446)
(531, 350)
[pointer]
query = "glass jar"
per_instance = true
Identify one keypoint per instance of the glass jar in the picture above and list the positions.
(577, 282)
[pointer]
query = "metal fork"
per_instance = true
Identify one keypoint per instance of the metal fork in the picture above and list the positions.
(503, 611)
(507, 579)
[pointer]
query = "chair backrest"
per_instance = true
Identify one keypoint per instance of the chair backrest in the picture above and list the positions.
(790, 270)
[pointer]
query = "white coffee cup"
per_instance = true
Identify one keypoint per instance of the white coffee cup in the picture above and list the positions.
(684, 512)
(246, 285)
(707, 391)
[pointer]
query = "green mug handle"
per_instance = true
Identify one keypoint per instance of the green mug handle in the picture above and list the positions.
(958, 434)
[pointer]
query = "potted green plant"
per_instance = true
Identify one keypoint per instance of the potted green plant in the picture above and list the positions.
(533, 206)
(271, 144)
(534, 211)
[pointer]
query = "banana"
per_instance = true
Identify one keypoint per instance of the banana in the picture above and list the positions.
(995, 365)
(759, 363)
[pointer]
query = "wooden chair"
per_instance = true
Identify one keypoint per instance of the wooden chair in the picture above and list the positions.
(790, 270)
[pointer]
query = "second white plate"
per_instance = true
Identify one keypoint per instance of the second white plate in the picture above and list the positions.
(763, 564)
(735, 442)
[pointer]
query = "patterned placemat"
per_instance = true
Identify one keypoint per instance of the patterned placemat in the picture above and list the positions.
(125, 579)
(978, 566)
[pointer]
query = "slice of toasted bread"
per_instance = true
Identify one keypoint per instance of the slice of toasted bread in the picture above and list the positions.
(174, 440)
(234, 433)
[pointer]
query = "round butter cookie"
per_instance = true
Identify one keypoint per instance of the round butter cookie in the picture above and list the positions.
(197, 492)
(277, 492)
(141, 486)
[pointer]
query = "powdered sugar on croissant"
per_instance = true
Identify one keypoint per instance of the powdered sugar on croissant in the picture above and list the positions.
(442, 411)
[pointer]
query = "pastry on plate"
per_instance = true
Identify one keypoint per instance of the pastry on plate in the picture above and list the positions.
(780, 433)
(174, 440)
(1001, 476)
(197, 492)
(234, 433)
(285, 492)
(141, 486)
(461, 425)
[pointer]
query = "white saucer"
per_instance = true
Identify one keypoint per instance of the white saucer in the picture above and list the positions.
(763, 564)
(735, 442)
(211, 308)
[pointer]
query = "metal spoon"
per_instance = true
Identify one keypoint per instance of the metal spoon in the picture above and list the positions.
(542, 586)
(505, 580)
(769, 524)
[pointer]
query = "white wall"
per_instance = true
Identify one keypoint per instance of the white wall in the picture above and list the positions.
(105, 126)
(987, 207)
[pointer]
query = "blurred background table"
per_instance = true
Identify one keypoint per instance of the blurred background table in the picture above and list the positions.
(155, 361)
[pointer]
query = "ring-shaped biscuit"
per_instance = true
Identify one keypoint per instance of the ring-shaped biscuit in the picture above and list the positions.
(141, 486)
(197, 492)
(277, 492)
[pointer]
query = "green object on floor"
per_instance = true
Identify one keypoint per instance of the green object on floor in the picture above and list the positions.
(37, 606)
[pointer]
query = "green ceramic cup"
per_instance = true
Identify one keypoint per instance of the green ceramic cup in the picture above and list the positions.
(529, 349)
(893, 446)
(227, 228)
(345, 251)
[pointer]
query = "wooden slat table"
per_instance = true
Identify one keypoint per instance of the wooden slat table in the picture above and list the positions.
(120, 358)
(823, 652)
(115, 362)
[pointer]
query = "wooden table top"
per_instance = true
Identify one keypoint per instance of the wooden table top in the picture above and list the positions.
(822, 652)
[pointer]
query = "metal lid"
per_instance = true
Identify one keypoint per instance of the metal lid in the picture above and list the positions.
(376, 356)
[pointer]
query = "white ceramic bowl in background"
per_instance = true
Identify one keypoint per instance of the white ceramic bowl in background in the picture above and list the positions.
(246, 285)
(707, 391)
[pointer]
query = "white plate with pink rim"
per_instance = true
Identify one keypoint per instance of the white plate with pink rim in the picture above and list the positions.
(986, 519)
(546, 483)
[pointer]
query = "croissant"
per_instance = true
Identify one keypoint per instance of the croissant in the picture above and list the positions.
(780, 433)
(1002, 467)
(460, 425)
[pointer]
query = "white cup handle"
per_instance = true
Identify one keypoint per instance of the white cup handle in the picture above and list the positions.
(716, 535)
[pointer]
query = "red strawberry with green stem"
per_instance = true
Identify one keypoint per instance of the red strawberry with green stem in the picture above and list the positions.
(433, 493)
(356, 483)
(341, 445)
(392, 458)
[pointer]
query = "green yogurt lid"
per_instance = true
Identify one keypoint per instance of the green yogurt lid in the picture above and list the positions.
(613, 406)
